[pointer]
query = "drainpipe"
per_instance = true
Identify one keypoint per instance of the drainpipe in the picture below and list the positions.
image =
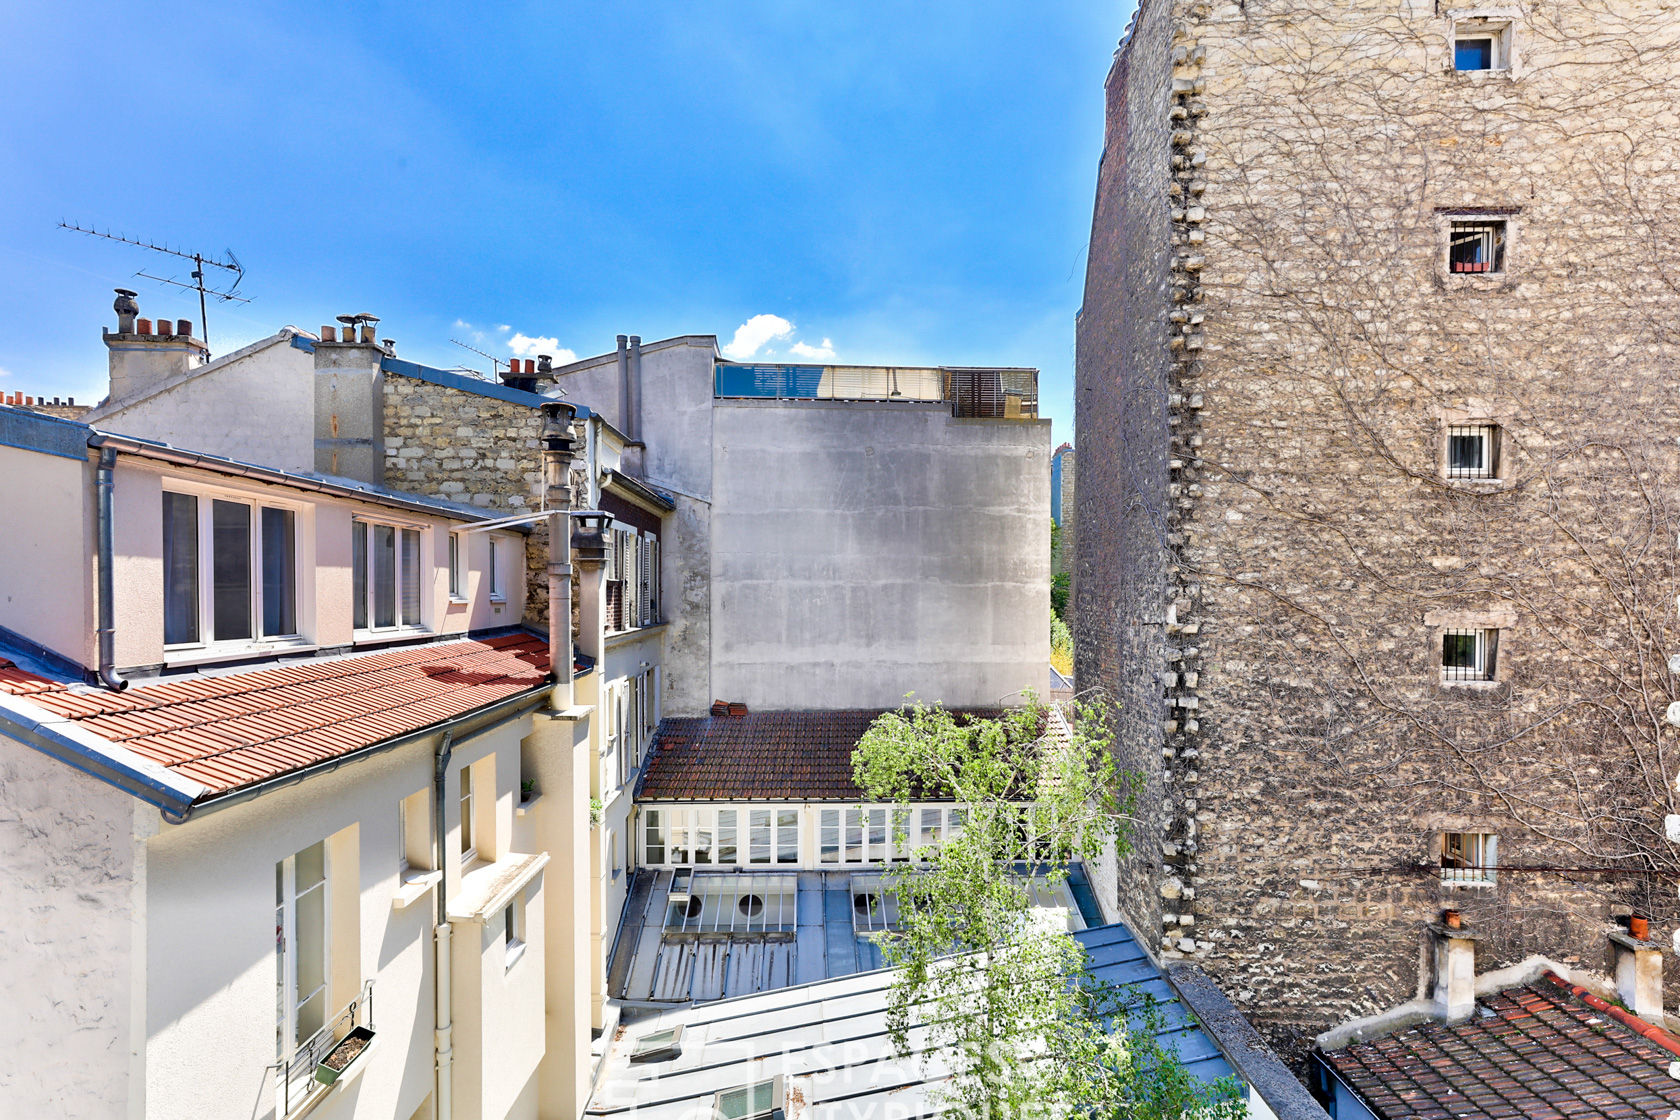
(107, 583)
(443, 1024)
(559, 447)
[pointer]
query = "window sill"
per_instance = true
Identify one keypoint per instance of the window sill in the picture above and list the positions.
(415, 886)
(1473, 686)
(526, 804)
(1478, 485)
(488, 888)
(614, 637)
(235, 651)
(514, 953)
(380, 637)
(496, 598)
(458, 600)
(1454, 886)
(322, 1092)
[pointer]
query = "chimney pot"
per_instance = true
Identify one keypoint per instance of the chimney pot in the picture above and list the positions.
(329, 334)
(142, 326)
(530, 365)
(163, 328)
(368, 332)
(126, 307)
(545, 364)
(183, 327)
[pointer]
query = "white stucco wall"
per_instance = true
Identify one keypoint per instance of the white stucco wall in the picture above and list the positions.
(862, 551)
(46, 509)
(270, 380)
(72, 870)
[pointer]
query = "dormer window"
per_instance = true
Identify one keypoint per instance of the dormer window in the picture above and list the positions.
(229, 570)
(385, 576)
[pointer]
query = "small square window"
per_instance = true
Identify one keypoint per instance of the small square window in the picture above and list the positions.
(1476, 246)
(761, 1100)
(1469, 857)
(1473, 451)
(1468, 655)
(1481, 45)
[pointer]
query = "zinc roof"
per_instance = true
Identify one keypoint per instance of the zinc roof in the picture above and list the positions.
(1540, 1050)
(229, 731)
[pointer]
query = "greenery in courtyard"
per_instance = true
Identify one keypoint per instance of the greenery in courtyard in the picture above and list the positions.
(988, 987)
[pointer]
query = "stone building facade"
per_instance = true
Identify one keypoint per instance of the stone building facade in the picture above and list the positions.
(1378, 528)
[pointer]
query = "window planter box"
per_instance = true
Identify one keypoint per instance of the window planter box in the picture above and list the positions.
(343, 1056)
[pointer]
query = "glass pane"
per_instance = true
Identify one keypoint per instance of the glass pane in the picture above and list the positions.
(902, 838)
(1465, 452)
(1458, 651)
(230, 562)
(726, 837)
(678, 829)
(311, 1016)
(359, 572)
(878, 835)
(930, 826)
(466, 811)
(828, 842)
(279, 572)
(1473, 54)
(384, 575)
(410, 577)
(787, 836)
(311, 866)
(704, 835)
(655, 836)
(311, 950)
(180, 568)
(490, 571)
(454, 565)
(854, 836)
(759, 847)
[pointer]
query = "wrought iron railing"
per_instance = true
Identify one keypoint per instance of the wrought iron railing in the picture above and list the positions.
(296, 1074)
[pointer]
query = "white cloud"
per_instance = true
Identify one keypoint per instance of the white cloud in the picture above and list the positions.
(816, 353)
(5, 372)
(751, 336)
(462, 325)
(524, 346)
(503, 327)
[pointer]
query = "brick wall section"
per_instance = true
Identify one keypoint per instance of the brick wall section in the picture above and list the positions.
(478, 450)
(1271, 475)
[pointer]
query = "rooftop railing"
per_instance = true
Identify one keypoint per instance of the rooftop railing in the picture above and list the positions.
(973, 393)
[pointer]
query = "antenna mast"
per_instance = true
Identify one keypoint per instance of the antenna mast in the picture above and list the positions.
(231, 295)
(495, 362)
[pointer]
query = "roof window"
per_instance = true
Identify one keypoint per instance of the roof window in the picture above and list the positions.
(658, 1046)
(762, 1100)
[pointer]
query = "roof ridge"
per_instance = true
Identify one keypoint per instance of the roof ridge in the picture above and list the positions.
(1639, 1026)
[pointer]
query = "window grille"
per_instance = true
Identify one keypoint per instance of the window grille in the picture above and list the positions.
(1473, 451)
(1469, 655)
(1469, 857)
(1477, 246)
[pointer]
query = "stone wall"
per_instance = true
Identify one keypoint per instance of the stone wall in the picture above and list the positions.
(1271, 348)
(1122, 371)
(478, 450)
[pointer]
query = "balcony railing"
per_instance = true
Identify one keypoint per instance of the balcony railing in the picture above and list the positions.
(296, 1075)
(975, 393)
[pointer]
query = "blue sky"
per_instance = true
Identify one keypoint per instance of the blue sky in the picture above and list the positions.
(898, 182)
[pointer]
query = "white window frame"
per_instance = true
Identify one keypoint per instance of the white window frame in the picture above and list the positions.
(1479, 850)
(467, 802)
(493, 573)
(1488, 434)
(1470, 26)
(455, 592)
(680, 826)
(205, 560)
(287, 938)
(423, 575)
(513, 930)
(1484, 664)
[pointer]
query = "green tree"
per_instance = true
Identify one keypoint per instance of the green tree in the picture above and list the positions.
(1007, 999)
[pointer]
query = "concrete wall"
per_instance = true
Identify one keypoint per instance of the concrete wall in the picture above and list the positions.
(256, 404)
(47, 554)
(72, 978)
(865, 551)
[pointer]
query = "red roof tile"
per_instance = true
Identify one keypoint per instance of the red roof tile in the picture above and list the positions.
(1541, 1051)
(774, 756)
(233, 730)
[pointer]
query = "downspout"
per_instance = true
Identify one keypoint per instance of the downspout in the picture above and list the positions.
(443, 1025)
(107, 582)
(559, 446)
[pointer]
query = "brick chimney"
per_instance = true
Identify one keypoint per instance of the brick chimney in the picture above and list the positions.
(1637, 965)
(349, 400)
(1454, 990)
(143, 355)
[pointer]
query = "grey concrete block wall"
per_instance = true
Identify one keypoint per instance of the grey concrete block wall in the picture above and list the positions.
(862, 551)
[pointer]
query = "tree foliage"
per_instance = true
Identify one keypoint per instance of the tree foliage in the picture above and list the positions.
(989, 989)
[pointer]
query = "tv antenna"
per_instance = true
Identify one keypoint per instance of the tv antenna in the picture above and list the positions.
(231, 295)
(495, 362)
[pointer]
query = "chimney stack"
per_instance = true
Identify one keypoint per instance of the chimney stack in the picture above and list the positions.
(141, 360)
(1454, 989)
(1638, 969)
(349, 412)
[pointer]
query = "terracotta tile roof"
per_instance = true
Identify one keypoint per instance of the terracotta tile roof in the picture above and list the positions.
(1539, 1051)
(767, 756)
(229, 731)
